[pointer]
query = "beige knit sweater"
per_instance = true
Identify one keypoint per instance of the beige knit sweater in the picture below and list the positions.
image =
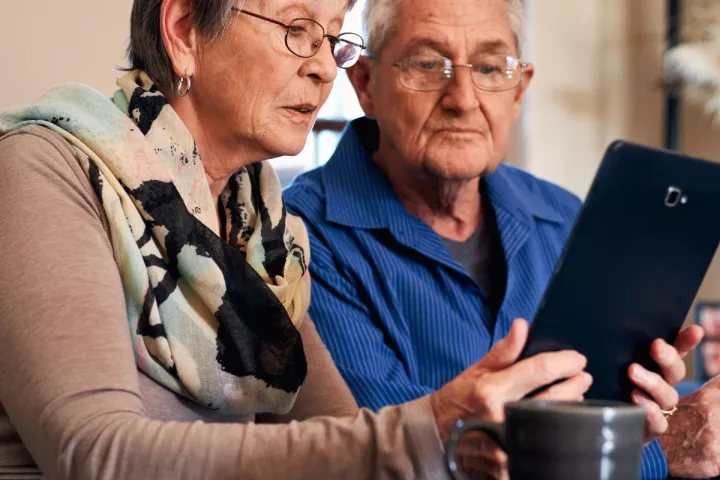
(72, 403)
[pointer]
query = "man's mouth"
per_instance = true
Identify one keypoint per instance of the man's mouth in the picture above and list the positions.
(460, 130)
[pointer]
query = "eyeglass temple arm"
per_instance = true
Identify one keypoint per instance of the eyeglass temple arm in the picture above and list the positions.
(338, 39)
(257, 15)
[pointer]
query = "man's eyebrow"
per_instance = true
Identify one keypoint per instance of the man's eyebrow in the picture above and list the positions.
(420, 42)
(494, 45)
(488, 46)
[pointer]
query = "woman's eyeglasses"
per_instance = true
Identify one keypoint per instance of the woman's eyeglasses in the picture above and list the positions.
(304, 37)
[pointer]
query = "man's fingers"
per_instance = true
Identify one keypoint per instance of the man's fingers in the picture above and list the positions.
(656, 421)
(688, 338)
(656, 387)
(506, 351)
(668, 358)
(481, 468)
(490, 454)
(479, 456)
(571, 389)
(538, 371)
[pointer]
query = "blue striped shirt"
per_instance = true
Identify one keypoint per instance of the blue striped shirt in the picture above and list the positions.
(399, 315)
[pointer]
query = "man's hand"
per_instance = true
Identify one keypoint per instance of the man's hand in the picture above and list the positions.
(656, 392)
(482, 390)
(692, 440)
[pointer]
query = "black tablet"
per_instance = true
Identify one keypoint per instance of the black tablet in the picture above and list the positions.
(635, 259)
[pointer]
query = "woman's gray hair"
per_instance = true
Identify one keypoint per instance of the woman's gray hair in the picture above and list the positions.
(379, 19)
(146, 50)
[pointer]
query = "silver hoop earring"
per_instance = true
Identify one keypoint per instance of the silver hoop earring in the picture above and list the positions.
(184, 86)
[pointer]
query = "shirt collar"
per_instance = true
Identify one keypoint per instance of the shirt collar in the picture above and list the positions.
(357, 192)
(358, 195)
(517, 193)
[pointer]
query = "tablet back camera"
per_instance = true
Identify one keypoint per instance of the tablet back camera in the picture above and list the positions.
(674, 197)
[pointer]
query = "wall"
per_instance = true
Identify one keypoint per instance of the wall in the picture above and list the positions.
(702, 139)
(599, 63)
(47, 42)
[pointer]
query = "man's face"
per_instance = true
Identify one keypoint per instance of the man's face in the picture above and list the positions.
(459, 132)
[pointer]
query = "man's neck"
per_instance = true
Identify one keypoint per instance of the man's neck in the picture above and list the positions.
(452, 208)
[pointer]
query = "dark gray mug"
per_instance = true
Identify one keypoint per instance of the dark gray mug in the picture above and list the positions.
(592, 440)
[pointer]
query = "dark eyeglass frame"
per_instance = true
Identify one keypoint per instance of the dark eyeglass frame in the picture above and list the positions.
(332, 39)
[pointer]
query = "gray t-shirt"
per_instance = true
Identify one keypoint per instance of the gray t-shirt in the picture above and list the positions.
(483, 258)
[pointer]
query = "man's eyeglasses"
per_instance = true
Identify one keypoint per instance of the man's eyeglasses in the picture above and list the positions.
(492, 73)
(305, 36)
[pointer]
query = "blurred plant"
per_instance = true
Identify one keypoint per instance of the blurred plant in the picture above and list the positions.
(695, 63)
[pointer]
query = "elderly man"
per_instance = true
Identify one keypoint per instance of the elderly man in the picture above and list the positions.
(425, 247)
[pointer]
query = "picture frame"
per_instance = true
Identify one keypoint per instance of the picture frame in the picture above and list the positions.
(707, 354)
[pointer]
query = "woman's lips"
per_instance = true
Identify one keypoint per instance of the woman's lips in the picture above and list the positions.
(303, 113)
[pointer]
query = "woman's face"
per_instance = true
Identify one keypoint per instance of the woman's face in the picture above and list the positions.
(249, 89)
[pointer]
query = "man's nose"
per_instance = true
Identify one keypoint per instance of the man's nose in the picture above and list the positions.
(460, 94)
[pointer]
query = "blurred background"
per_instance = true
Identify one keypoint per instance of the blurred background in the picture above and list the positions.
(605, 69)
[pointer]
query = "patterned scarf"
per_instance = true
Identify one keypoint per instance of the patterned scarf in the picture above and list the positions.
(213, 304)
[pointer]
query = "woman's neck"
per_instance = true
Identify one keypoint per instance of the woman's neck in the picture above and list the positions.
(221, 156)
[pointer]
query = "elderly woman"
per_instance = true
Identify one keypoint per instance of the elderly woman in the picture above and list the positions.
(149, 210)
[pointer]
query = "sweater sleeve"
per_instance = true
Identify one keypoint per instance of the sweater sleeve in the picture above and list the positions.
(324, 391)
(69, 382)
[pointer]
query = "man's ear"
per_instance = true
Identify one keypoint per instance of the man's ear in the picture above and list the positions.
(527, 76)
(360, 76)
(179, 36)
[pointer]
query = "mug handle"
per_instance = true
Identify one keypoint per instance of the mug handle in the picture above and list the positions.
(496, 432)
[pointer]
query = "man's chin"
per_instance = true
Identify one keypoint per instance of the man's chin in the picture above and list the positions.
(460, 169)
(460, 160)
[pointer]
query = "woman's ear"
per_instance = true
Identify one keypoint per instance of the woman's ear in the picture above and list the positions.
(361, 77)
(179, 36)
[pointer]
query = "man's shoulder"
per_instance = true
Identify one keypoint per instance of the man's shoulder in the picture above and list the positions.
(560, 199)
(305, 196)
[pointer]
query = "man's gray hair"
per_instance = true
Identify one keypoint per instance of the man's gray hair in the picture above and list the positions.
(146, 50)
(380, 18)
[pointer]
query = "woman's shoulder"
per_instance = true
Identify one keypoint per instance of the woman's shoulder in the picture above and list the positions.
(34, 145)
(35, 136)
(37, 164)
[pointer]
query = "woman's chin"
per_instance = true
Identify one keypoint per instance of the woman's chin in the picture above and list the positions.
(288, 148)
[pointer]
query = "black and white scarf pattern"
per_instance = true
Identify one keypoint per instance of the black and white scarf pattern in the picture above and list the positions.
(214, 293)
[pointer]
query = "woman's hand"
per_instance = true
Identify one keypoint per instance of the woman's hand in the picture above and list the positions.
(482, 390)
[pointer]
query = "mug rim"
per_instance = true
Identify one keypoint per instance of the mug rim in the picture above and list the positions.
(586, 407)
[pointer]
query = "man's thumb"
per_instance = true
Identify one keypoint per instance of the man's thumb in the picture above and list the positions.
(506, 351)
